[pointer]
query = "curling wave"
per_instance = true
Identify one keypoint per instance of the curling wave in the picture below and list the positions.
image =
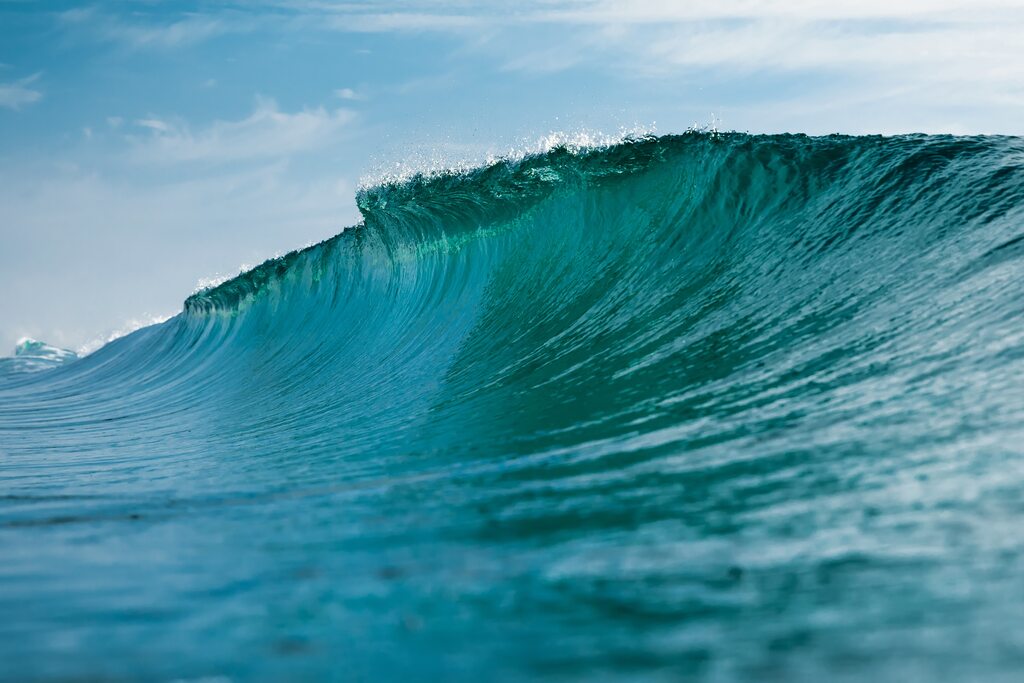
(727, 407)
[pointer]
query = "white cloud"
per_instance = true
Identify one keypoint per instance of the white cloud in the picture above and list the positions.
(940, 42)
(184, 32)
(18, 94)
(405, 21)
(943, 41)
(407, 17)
(153, 124)
(926, 60)
(185, 29)
(427, 14)
(266, 133)
(347, 94)
(660, 36)
(660, 11)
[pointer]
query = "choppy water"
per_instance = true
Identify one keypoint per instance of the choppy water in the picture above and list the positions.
(714, 407)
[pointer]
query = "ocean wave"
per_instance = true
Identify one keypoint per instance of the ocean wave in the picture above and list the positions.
(708, 404)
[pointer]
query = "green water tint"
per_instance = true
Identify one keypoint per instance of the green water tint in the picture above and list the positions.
(719, 408)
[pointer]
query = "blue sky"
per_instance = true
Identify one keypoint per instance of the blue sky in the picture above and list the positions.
(146, 146)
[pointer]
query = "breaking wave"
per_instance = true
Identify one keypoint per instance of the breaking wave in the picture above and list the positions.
(719, 406)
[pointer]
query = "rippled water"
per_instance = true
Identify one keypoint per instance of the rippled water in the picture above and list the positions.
(720, 407)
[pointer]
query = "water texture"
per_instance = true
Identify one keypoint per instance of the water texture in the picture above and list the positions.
(702, 407)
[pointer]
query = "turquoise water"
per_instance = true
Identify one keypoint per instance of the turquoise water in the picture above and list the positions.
(703, 407)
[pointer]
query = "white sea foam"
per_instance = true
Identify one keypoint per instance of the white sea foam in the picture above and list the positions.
(453, 158)
(134, 324)
(205, 283)
(125, 329)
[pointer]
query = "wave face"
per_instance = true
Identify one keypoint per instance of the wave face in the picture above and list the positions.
(714, 407)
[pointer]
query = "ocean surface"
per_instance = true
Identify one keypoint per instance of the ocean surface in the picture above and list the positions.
(709, 407)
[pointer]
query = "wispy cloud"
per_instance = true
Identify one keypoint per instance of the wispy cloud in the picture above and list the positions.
(266, 133)
(758, 35)
(928, 56)
(651, 38)
(941, 40)
(348, 94)
(373, 16)
(140, 32)
(373, 22)
(660, 11)
(935, 58)
(431, 13)
(18, 94)
(153, 124)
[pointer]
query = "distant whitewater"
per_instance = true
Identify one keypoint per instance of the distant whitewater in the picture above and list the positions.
(700, 407)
